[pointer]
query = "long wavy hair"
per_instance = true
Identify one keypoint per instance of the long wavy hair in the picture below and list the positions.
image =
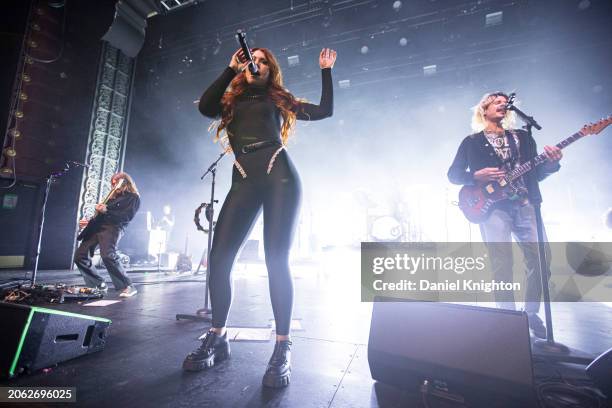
(285, 101)
(128, 185)
(478, 120)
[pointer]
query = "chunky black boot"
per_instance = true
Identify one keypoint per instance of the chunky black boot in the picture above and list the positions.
(278, 373)
(214, 349)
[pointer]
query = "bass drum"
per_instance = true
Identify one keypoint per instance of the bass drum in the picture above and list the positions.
(386, 229)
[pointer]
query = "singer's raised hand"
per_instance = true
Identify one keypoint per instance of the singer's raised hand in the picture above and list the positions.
(238, 61)
(327, 58)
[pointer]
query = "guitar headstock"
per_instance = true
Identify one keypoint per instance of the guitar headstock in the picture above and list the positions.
(595, 128)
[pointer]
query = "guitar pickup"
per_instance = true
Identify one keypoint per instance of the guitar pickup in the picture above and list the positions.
(503, 183)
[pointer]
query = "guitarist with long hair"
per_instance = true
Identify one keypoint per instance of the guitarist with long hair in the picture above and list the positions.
(486, 156)
(105, 229)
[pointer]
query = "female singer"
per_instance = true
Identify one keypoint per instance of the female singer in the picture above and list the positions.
(257, 115)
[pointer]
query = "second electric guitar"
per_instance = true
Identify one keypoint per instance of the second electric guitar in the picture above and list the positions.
(94, 222)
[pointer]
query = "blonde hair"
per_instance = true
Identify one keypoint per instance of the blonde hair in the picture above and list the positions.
(479, 122)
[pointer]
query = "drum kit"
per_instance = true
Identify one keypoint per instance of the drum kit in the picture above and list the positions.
(400, 217)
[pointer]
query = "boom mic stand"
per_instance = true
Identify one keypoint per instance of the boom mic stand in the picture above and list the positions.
(41, 222)
(547, 348)
(204, 314)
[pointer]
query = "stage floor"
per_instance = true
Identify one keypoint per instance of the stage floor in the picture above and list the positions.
(141, 364)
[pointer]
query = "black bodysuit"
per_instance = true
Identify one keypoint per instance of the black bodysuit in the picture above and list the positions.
(266, 178)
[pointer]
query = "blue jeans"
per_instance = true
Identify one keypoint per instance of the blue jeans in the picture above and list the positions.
(515, 220)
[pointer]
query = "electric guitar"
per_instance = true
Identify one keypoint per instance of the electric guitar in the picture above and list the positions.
(94, 222)
(477, 201)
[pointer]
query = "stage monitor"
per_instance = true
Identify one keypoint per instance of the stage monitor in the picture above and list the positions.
(473, 351)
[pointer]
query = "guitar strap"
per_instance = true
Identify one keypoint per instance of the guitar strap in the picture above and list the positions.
(514, 152)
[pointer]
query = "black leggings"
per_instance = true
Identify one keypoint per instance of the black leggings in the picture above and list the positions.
(279, 194)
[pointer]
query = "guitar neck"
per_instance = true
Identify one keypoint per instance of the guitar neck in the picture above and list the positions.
(541, 158)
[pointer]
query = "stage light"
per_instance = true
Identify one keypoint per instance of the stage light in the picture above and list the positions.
(293, 60)
(344, 84)
(26, 78)
(397, 5)
(19, 114)
(23, 96)
(365, 49)
(171, 5)
(430, 70)
(15, 133)
(10, 152)
(403, 42)
(33, 44)
(493, 19)
(6, 171)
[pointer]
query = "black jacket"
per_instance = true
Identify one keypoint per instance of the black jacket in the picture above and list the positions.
(121, 209)
(475, 153)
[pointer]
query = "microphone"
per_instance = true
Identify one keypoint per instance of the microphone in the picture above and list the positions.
(510, 103)
(241, 37)
(78, 163)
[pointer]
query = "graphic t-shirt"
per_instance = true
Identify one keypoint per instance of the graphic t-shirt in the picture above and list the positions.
(501, 145)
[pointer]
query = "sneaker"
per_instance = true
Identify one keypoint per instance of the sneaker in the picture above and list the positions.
(128, 291)
(214, 349)
(536, 325)
(278, 373)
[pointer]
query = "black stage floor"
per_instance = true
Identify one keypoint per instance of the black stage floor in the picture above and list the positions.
(141, 364)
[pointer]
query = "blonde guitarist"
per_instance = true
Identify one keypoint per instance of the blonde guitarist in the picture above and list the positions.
(105, 229)
(497, 148)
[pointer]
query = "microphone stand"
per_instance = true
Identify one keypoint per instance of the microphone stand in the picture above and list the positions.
(41, 222)
(205, 314)
(547, 348)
